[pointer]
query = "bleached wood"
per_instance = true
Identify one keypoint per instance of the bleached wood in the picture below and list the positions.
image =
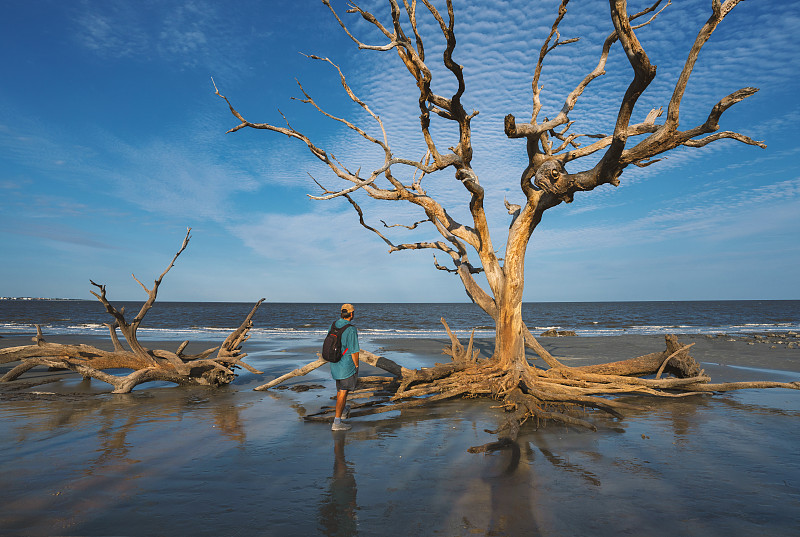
(300, 371)
(147, 365)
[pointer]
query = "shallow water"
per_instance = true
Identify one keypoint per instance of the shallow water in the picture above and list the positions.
(238, 462)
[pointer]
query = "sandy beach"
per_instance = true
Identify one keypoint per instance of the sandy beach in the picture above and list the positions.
(77, 460)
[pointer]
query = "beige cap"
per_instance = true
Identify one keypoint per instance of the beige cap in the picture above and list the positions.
(348, 308)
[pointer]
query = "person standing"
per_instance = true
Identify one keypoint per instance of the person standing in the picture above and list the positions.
(345, 371)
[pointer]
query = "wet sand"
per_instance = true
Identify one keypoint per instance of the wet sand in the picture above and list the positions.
(197, 461)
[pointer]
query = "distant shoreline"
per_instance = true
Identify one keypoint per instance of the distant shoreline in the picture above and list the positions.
(32, 298)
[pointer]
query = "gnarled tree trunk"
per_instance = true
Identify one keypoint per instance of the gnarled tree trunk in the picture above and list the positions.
(509, 351)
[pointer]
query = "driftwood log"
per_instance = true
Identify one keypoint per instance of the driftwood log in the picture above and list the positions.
(557, 393)
(146, 365)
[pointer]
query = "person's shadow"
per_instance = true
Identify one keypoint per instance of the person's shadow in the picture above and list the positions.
(337, 511)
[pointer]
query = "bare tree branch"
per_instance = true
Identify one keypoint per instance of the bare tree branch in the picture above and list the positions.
(550, 144)
(412, 226)
(147, 365)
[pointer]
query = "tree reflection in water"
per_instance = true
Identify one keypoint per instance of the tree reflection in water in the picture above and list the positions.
(118, 446)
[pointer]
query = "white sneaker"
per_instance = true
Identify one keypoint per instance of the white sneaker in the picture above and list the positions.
(340, 427)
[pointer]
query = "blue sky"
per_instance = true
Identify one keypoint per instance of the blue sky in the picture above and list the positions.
(112, 143)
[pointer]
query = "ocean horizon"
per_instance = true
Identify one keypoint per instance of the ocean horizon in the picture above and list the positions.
(204, 320)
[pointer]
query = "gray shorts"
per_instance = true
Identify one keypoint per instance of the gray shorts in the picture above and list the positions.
(349, 383)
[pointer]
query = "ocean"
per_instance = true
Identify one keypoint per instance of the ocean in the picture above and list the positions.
(204, 320)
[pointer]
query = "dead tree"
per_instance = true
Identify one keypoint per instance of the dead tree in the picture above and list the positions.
(559, 394)
(146, 364)
(551, 144)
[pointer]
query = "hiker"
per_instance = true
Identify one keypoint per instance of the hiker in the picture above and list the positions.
(345, 371)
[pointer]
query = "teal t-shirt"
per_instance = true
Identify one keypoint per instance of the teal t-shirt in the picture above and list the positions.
(346, 368)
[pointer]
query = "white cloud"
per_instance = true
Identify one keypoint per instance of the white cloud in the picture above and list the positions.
(326, 255)
(308, 238)
(739, 215)
(181, 33)
(177, 178)
(60, 235)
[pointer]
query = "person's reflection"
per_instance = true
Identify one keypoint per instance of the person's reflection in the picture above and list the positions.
(337, 512)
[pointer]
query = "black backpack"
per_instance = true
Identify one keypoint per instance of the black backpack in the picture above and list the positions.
(332, 346)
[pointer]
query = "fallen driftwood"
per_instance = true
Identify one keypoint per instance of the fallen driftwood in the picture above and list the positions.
(299, 372)
(146, 364)
(364, 356)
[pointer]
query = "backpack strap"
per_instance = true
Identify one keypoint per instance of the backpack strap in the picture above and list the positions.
(345, 327)
(338, 331)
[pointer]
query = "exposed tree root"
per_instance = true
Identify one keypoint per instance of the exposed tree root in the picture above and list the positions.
(530, 394)
(730, 386)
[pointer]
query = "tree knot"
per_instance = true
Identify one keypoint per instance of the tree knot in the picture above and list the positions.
(552, 177)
